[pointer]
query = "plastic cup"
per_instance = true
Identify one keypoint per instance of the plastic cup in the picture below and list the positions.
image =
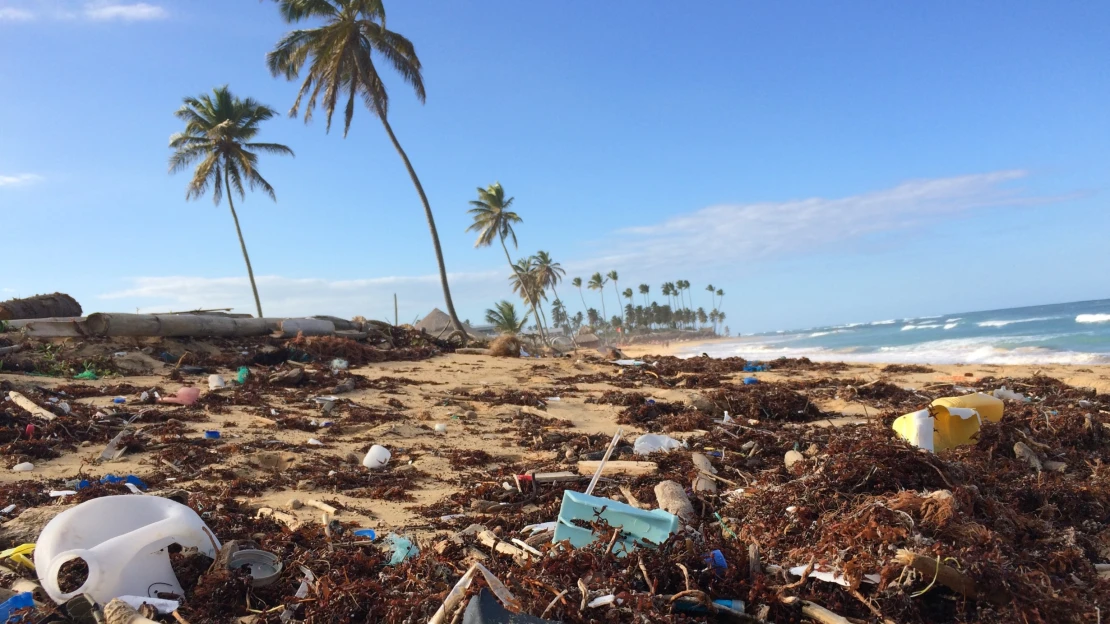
(377, 457)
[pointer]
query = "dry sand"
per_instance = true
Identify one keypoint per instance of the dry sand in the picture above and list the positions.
(413, 441)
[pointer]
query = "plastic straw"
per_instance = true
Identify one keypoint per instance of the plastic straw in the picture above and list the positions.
(601, 466)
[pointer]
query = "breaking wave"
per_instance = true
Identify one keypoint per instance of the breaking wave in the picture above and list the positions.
(1093, 318)
(1011, 322)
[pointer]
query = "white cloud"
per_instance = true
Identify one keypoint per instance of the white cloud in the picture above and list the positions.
(19, 179)
(728, 233)
(12, 14)
(135, 12)
(99, 11)
(286, 296)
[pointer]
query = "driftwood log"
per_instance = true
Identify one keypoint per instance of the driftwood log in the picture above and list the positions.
(39, 306)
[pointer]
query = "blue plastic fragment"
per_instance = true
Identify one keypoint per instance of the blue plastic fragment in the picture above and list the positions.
(639, 526)
(716, 560)
(26, 600)
(693, 607)
(365, 533)
(403, 548)
(749, 381)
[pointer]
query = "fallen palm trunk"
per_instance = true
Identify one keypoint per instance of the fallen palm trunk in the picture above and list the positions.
(54, 327)
(291, 328)
(39, 306)
(177, 325)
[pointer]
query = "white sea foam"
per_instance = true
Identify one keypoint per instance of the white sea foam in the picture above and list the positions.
(953, 320)
(1093, 318)
(950, 324)
(887, 322)
(982, 350)
(1011, 322)
(816, 334)
(925, 326)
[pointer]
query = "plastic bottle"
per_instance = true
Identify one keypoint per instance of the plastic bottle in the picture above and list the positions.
(123, 540)
(377, 457)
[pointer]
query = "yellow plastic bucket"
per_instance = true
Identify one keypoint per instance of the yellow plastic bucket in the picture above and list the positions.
(989, 408)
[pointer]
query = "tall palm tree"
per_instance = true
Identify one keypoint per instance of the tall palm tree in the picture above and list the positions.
(493, 219)
(503, 316)
(219, 131)
(668, 290)
(577, 283)
(628, 295)
(612, 275)
(712, 301)
(597, 282)
(720, 297)
(702, 316)
(644, 290)
(548, 271)
(713, 319)
(721, 318)
(340, 52)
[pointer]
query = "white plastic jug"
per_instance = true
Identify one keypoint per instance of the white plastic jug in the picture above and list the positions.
(123, 540)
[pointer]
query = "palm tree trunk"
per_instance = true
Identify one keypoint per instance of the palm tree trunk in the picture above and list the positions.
(527, 296)
(585, 308)
(431, 227)
(619, 306)
(604, 314)
(242, 244)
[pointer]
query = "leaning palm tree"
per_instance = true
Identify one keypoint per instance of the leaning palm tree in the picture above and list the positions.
(612, 275)
(720, 297)
(577, 283)
(219, 131)
(644, 290)
(340, 52)
(628, 295)
(597, 282)
(712, 301)
(503, 317)
(493, 219)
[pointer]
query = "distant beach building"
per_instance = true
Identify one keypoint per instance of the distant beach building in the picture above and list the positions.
(587, 341)
(438, 324)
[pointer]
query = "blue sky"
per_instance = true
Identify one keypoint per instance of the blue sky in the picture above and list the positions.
(821, 164)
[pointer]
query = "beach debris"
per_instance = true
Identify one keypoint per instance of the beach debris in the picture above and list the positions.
(939, 428)
(441, 428)
(506, 345)
(264, 568)
(485, 608)
(290, 377)
(703, 482)
(215, 382)
(1008, 395)
(211, 434)
(750, 381)
(18, 607)
(792, 457)
(119, 560)
(1028, 455)
(377, 457)
(629, 362)
(672, 499)
(186, 396)
(638, 526)
(618, 467)
(56, 305)
(400, 548)
(30, 406)
(23, 467)
(651, 443)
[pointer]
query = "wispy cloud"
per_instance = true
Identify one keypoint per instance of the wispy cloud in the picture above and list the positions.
(127, 12)
(12, 14)
(286, 296)
(727, 233)
(97, 11)
(716, 236)
(19, 179)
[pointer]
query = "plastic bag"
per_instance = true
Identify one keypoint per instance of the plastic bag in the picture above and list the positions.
(652, 442)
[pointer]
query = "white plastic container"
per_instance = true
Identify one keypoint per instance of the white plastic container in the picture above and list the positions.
(215, 382)
(441, 428)
(123, 540)
(377, 457)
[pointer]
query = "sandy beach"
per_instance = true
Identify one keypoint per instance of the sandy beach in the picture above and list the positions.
(289, 475)
(419, 395)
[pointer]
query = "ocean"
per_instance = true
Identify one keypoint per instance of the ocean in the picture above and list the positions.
(1066, 333)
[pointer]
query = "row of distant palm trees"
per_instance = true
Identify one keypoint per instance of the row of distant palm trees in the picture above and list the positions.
(337, 58)
(532, 276)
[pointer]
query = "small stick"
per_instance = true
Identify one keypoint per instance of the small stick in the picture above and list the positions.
(553, 601)
(647, 579)
(870, 606)
(322, 506)
(816, 612)
(585, 594)
(632, 500)
(178, 617)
